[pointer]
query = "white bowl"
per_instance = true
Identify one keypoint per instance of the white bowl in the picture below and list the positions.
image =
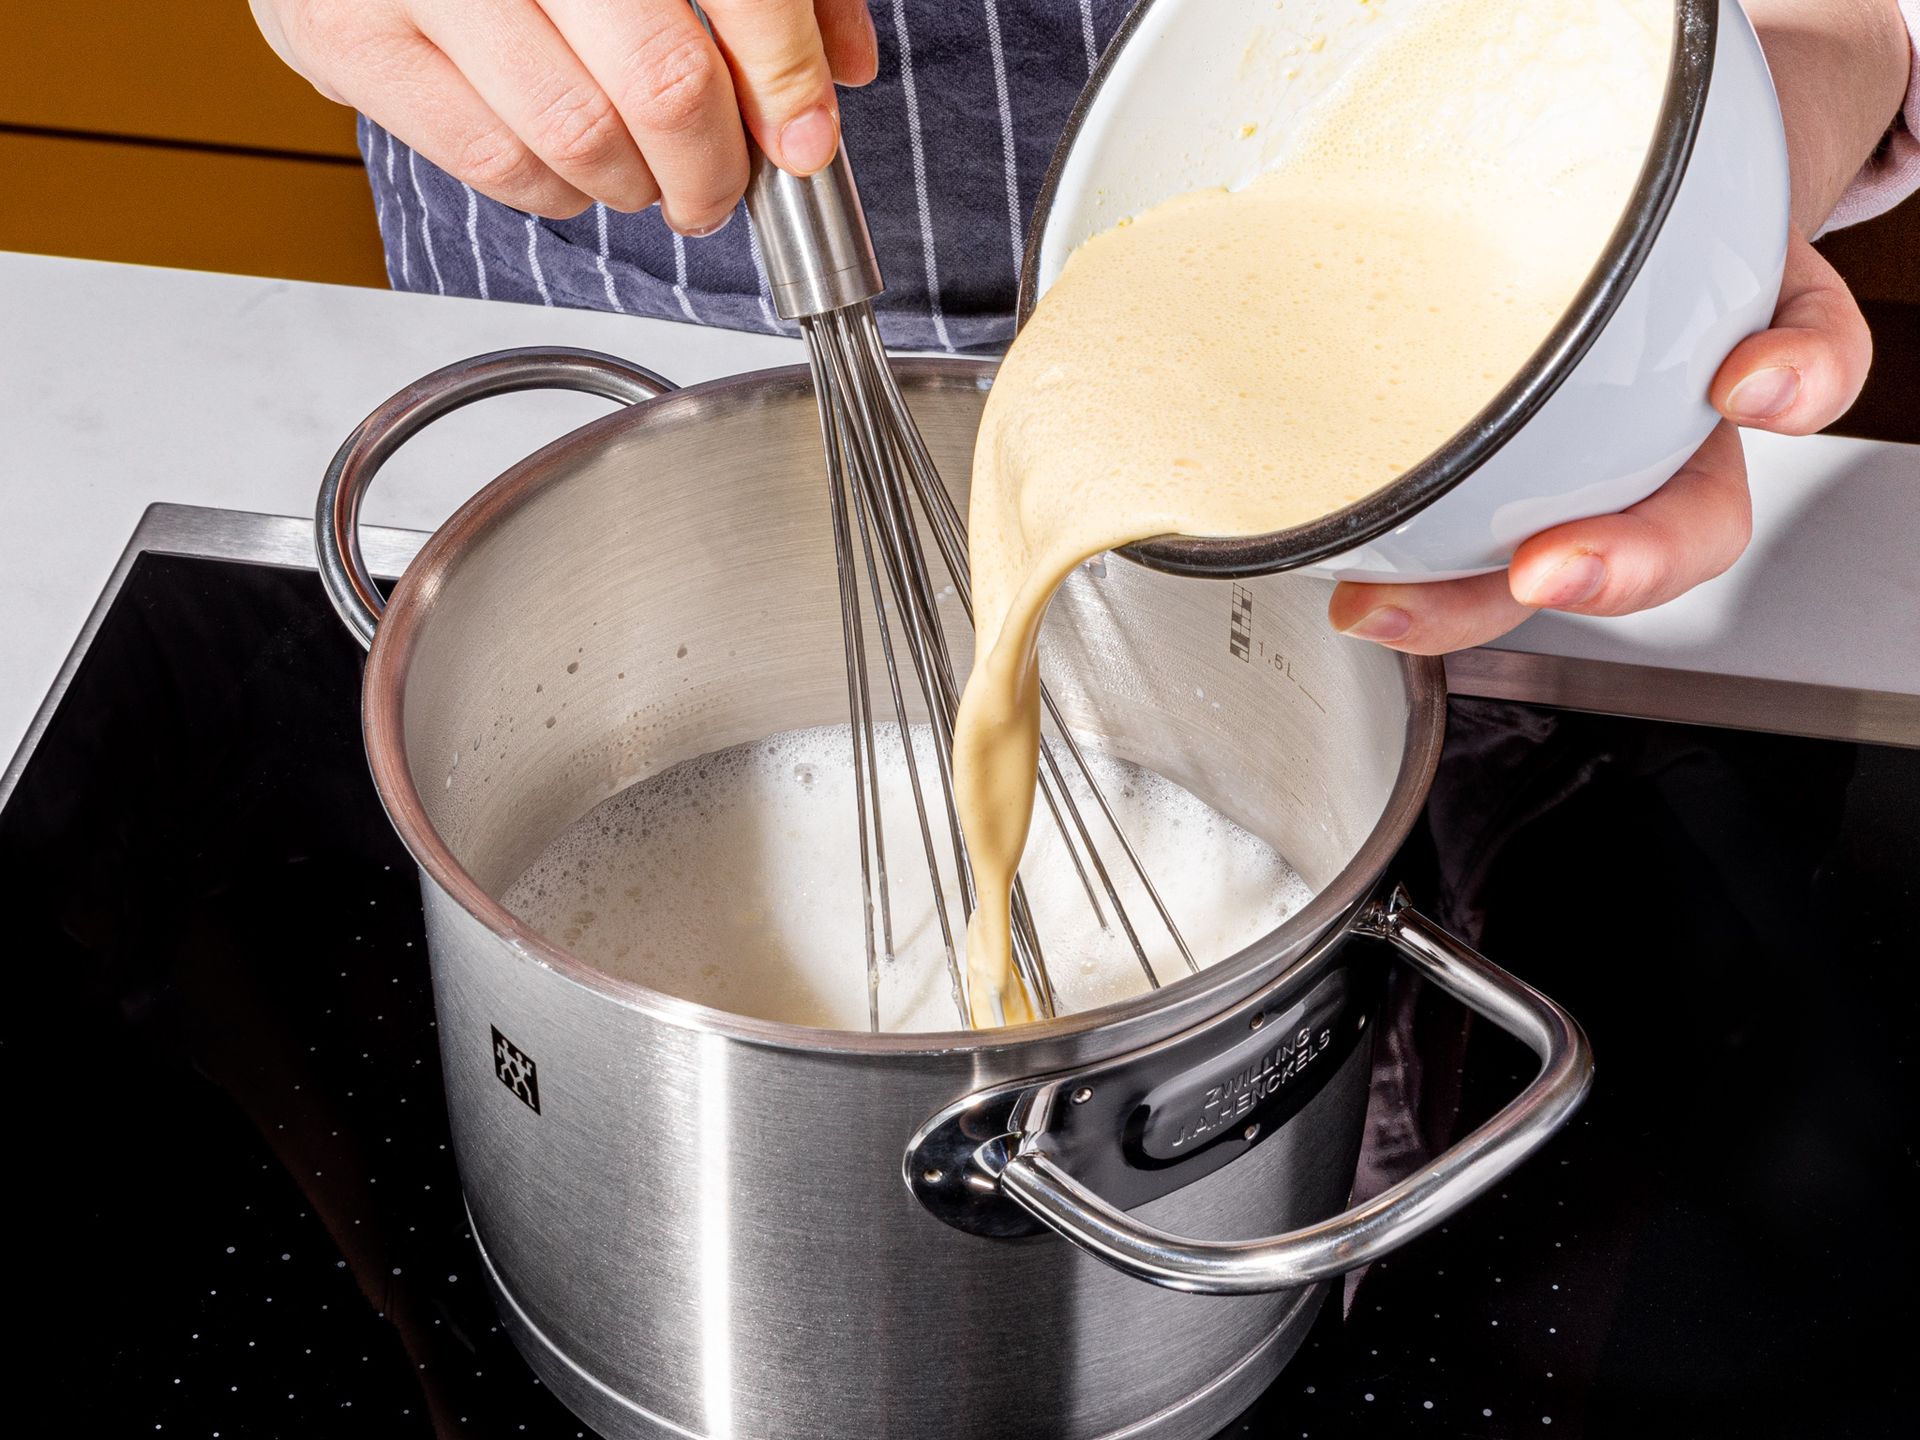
(1614, 399)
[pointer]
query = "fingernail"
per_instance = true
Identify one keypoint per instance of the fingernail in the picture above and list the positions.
(1386, 624)
(693, 233)
(1765, 393)
(1574, 580)
(808, 141)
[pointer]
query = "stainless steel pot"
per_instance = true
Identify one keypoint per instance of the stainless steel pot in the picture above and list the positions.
(700, 1224)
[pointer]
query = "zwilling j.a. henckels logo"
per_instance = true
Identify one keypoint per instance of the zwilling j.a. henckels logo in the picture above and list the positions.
(514, 1068)
(1233, 1097)
(1276, 1066)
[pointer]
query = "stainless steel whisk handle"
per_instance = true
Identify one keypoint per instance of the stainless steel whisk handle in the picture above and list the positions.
(813, 236)
(812, 233)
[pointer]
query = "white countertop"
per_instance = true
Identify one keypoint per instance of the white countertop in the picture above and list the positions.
(121, 386)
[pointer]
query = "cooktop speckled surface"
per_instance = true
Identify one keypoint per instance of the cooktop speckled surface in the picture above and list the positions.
(235, 1213)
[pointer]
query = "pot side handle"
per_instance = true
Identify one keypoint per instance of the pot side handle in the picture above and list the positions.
(1372, 1229)
(343, 568)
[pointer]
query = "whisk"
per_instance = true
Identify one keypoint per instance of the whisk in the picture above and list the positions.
(821, 272)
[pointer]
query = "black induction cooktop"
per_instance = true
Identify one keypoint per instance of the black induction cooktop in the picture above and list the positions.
(233, 1210)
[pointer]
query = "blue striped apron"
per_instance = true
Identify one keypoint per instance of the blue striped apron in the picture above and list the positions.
(950, 143)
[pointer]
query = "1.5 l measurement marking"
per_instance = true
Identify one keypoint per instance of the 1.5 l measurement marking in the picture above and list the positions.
(1242, 645)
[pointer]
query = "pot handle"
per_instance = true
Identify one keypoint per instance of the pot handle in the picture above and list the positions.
(343, 568)
(1369, 1230)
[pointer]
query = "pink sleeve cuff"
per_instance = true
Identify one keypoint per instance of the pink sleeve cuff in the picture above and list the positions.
(1894, 173)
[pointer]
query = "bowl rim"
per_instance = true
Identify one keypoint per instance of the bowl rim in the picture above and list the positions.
(1676, 128)
(1138, 1020)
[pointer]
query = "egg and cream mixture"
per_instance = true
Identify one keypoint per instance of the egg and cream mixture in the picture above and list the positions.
(1238, 362)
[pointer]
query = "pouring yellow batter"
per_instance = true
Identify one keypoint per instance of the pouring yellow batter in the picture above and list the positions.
(1231, 363)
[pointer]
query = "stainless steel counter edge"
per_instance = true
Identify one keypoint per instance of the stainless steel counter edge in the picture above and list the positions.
(1652, 692)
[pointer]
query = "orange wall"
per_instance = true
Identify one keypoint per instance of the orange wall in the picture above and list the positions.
(165, 132)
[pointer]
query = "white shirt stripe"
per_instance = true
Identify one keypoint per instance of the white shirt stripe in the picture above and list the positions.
(533, 261)
(680, 277)
(473, 239)
(1086, 34)
(919, 172)
(367, 134)
(426, 226)
(400, 206)
(1006, 131)
(606, 273)
(380, 223)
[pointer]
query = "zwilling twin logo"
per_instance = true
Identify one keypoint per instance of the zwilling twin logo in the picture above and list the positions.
(1240, 627)
(515, 1069)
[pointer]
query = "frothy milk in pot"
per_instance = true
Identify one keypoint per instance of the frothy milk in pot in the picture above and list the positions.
(733, 880)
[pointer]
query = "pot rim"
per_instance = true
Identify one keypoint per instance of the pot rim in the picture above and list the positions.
(1677, 126)
(383, 720)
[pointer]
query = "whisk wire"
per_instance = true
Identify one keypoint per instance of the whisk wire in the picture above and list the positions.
(913, 591)
(850, 475)
(878, 467)
(861, 502)
(884, 514)
(951, 536)
(859, 710)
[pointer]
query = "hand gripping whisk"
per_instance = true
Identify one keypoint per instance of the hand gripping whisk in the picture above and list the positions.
(882, 490)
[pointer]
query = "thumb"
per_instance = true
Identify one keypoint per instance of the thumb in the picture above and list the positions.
(780, 75)
(1805, 372)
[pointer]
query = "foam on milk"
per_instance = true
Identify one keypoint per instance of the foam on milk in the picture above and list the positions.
(733, 880)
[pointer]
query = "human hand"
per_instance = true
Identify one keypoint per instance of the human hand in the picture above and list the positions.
(1840, 69)
(550, 105)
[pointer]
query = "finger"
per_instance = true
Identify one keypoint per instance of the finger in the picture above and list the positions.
(1688, 531)
(289, 43)
(846, 30)
(521, 65)
(409, 88)
(1427, 619)
(671, 87)
(1803, 373)
(780, 75)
